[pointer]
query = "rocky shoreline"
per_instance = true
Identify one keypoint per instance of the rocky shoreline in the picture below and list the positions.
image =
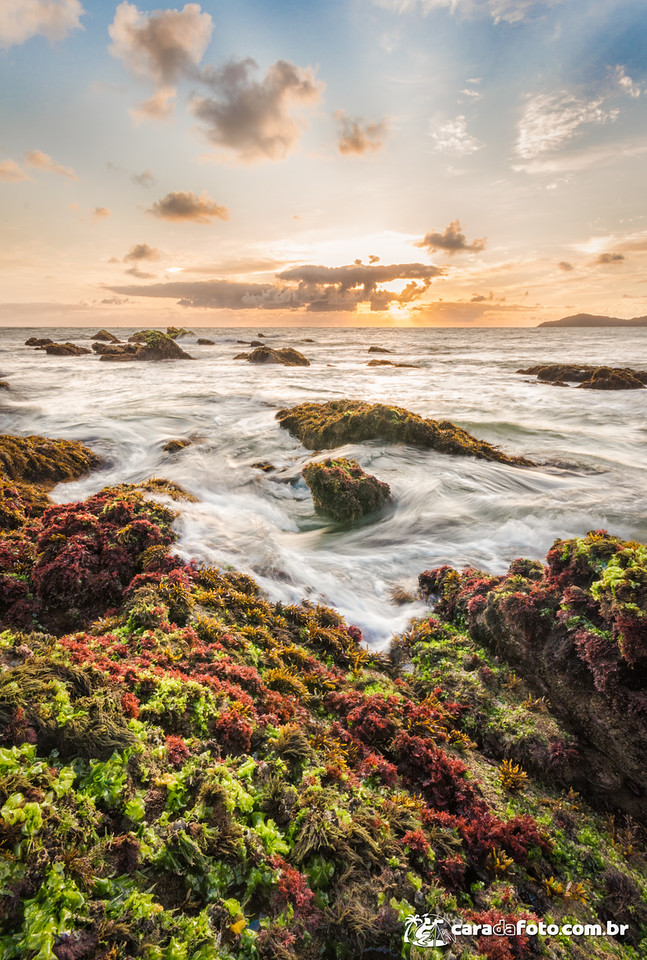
(190, 771)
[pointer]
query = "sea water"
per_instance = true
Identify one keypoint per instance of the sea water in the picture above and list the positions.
(589, 447)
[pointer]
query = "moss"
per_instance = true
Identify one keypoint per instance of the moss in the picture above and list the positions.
(342, 489)
(41, 460)
(325, 425)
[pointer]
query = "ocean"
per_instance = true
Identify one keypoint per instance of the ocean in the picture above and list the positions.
(589, 447)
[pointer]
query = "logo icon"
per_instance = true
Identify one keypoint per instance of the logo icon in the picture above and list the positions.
(428, 930)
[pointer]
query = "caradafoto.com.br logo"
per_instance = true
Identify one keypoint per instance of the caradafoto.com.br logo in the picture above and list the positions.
(430, 930)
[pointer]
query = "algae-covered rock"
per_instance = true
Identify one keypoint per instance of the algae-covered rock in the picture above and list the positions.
(326, 425)
(38, 341)
(287, 356)
(144, 345)
(176, 332)
(576, 631)
(342, 489)
(106, 336)
(588, 376)
(41, 460)
(191, 771)
(174, 446)
(606, 378)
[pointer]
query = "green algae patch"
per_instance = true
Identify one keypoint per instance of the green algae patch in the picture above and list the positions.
(41, 460)
(343, 490)
(332, 424)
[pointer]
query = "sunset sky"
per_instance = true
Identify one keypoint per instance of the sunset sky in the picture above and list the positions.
(356, 162)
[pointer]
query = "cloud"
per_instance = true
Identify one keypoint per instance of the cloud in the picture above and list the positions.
(181, 205)
(626, 84)
(550, 120)
(157, 107)
(451, 240)
(163, 45)
(565, 266)
(141, 251)
(22, 19)
(610, 258)
(253, 118)
(37, 160)
(452, 137)
(574, 161)
(310, 287)
(145, 179)
(506, 11)
(11, 172)
(100, 213)
(140, 274)
(357, 137)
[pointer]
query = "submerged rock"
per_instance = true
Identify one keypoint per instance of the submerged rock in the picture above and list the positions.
(588, 376)
(379, 350)
(106, 336)
(144, 345)
(342, 489)
(205, 342)
(389, 363)
(287, 356)
(326, 425)
(65, 350)
(174, 446)
(263, 465)
(4, 385)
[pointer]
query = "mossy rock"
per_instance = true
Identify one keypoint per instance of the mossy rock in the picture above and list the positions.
(175, 332)
(174, 446)
(343, 490)
(41, 460)
(153, 345)
(588, 376)
(106, 336)
(287, 356)
(327, 425)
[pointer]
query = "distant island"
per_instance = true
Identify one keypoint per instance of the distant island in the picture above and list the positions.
(591, 320)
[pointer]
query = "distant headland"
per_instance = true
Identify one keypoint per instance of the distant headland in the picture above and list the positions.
(591, 320)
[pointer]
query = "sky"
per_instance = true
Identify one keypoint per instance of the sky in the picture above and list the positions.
(320, 163)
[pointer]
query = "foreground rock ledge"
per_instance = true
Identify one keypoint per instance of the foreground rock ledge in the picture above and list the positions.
(332, 424)
(190, 772)
(343, 490)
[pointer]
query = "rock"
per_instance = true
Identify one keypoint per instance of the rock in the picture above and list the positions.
(261, 335)
(4, 385)
(175, 332)
(595, 378)
(65, 350)
(389, 363)
(263, 465)
(287, 356)
(309, 340)
(400, 597)
(607, 378)
(343, 490)
(148, 345)
(256, 343)
(174, 446)
(41, 460)
(105, 335)
(590, 666)
(326, 425)
(38, 342)
(205, 343)
(379, 350)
